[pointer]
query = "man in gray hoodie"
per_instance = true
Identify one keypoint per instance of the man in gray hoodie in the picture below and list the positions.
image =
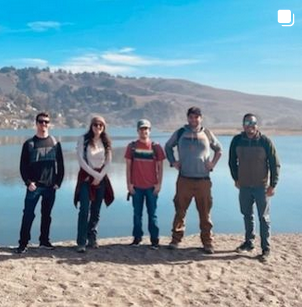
(194, 164)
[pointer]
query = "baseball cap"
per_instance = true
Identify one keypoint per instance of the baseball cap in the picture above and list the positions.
(143, 123)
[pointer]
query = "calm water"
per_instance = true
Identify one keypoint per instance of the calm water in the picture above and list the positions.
(286, 209)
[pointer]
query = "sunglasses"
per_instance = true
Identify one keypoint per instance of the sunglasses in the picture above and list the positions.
(42, 121)
(97, 125)
(249, 123)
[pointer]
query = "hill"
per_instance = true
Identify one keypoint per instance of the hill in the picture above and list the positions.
(72, 98)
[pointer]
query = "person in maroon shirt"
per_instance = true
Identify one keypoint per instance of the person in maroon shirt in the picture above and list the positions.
(144, 171)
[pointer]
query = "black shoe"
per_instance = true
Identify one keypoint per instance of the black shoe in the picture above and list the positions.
(155, 246)
(46, 245)
(21, 249)
(265, 255)
(93, 244)
(246, 246)
(136, 242)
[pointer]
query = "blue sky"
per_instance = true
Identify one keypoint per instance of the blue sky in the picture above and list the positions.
(232, 44)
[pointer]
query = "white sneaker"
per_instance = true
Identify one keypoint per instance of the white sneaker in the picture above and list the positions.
(81, 249)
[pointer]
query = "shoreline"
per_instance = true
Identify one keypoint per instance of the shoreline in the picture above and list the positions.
(119, 275)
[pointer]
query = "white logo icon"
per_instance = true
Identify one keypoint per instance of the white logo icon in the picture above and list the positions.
(285, 16)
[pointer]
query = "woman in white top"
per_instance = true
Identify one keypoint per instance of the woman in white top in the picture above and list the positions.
(94, 155)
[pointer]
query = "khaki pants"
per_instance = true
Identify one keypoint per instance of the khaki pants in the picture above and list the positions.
(186, 189)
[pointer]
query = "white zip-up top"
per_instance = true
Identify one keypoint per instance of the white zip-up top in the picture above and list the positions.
(96, 158)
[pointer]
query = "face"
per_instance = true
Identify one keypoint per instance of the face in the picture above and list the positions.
(250, 126)
(97, 127)
(144, 133)
(42, 124)
(194, 120)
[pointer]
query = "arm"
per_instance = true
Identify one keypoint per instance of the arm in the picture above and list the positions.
(233, 161)
(172, 142)
(274, 167)
(130, 186)
(60, 163)
(159, 172)
(24, 164)
(216, 146)
(106, 164)
(83, 164)
(211, 164)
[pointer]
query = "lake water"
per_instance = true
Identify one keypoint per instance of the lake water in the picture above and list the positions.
(116, 221)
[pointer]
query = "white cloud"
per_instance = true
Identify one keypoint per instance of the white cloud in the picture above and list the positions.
(123, 61)
(34, 62)
(91, 63)
(126, 50)
(41, 26)
(136, 60)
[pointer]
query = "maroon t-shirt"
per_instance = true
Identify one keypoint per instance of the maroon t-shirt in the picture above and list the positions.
(144, 157)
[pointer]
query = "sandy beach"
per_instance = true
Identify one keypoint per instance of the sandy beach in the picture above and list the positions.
(119, 275)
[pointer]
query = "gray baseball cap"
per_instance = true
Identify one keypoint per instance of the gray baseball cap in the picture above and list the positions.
(143, 123)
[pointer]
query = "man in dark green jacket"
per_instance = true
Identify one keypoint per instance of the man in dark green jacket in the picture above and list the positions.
(254, 166)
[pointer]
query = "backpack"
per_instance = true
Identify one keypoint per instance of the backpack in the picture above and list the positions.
(133, 148)
(207, 132)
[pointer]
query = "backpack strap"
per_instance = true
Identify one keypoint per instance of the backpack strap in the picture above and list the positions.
(180, 132)
(153, 144)
(207, 132)
(133, 148)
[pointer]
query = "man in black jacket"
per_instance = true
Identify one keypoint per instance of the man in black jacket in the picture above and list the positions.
(42, 170)
(254, 166)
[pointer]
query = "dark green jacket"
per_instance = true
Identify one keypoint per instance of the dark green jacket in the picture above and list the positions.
(252, 161)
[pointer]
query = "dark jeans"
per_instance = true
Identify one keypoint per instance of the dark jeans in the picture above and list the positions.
(247, 198)
(31, 200)
(138, 204)
(89, 214)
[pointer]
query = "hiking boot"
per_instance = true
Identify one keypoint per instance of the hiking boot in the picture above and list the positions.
(21, 249)
(136, 242)
(246, 246)
(265, 255)
(208, 249)
(46, 245)
(173, 245)
(81, 249)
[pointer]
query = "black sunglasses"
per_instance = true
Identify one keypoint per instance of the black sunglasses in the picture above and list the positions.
(43, 121)
(97, 125)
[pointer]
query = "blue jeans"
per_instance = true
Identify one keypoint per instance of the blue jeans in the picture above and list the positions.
(89, 214)
(138, 203)
(247, 197)
(31, 200)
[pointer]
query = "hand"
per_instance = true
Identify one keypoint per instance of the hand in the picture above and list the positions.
(32, 187)
(270, 191)
(157, 188)
(210, 166)
(130, 187)
(95, 182)
(56, 187)
(176, 164)
(237, 184)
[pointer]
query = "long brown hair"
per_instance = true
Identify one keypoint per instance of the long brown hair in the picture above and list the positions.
(103, 136)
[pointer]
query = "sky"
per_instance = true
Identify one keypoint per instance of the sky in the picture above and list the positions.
(229, 44)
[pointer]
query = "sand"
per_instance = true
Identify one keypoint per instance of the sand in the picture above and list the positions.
(119, 275)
